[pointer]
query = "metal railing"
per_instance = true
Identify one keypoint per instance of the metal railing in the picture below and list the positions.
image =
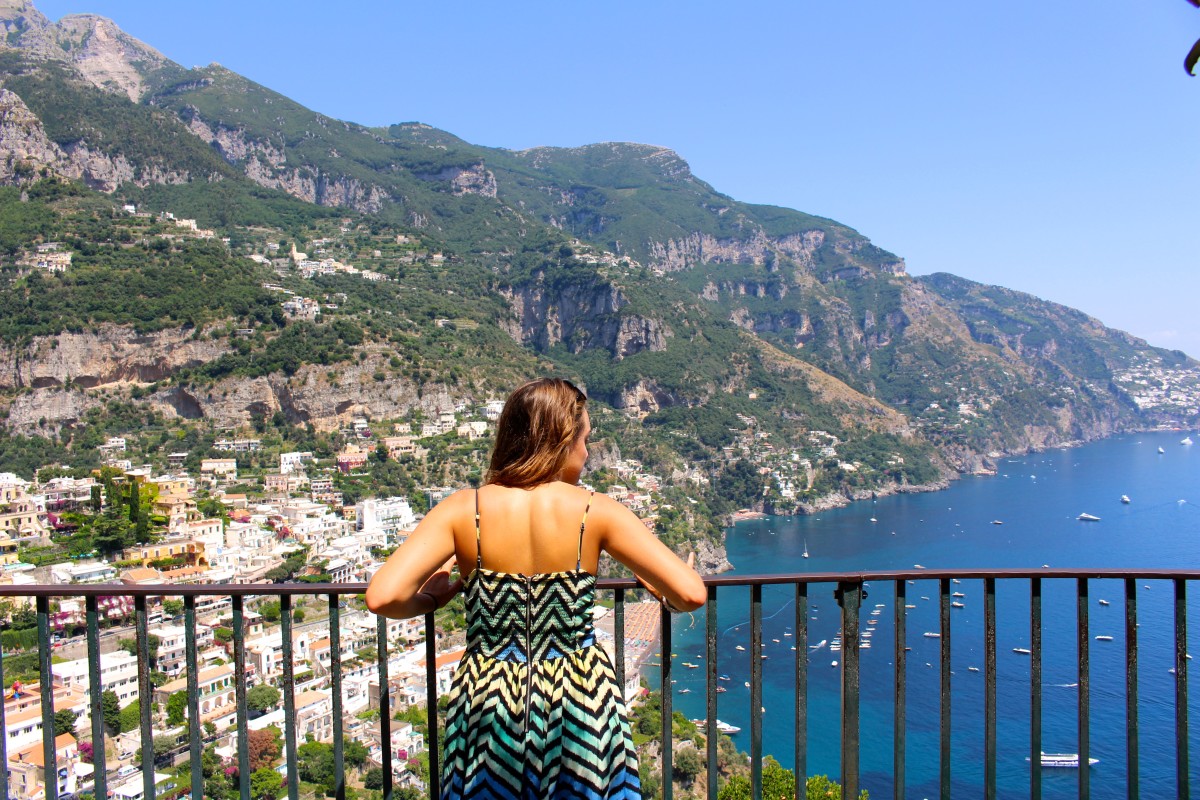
(849, 592)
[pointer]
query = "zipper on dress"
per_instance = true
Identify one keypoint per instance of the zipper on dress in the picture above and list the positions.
(528, 648)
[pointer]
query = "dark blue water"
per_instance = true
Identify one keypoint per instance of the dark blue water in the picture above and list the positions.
(1038, 499)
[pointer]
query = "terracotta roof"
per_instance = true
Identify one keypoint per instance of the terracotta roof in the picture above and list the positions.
(139, 574)
(36, 756)
(449, 657)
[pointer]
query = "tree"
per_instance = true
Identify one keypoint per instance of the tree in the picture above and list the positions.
(131, 716)
(64, 722)
(265, 784)
(172, 608)
(373, 779)
(688, 763)
(111, 533)
(135, 501)
(177, 708)
(110, 707)
(263, 748)
(262, 697)
(354, 753)
(269, 610)
(315, 763)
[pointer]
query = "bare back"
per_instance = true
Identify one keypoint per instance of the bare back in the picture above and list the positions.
(529, 531)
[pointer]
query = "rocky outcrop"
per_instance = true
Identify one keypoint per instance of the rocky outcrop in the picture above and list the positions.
(474, 180)
(111, 355)
(266, 164)
(582, 317)
(44, 412)
(27, 150)
(644, 398)
(107, 56)
(700, 248)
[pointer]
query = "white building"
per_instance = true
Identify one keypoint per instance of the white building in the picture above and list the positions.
(118, 674)
(392, 517)
(290, 462)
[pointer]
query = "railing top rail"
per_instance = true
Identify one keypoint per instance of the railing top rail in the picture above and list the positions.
(277, 589)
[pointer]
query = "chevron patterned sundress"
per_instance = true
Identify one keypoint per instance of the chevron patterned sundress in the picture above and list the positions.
(535, 710)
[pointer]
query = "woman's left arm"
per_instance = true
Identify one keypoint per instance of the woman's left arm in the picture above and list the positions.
(415, 579)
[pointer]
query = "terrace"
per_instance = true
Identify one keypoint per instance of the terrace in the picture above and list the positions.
(746, 591)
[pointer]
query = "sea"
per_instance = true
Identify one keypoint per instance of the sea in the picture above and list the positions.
(1038, 499)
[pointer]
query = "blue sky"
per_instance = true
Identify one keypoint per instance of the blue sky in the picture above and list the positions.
(1046, 146)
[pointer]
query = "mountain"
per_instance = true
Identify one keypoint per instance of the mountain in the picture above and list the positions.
(717, 331)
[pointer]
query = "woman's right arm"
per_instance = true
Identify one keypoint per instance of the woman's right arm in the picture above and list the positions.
(628, 540)
(415, 579)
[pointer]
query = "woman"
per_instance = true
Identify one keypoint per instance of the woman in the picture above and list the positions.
(535, 710)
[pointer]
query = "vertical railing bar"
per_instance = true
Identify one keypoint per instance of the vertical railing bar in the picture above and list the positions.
(668, 747)
(801, 638)
(619, 639)
(191, 665)
(145, 696)
(385, 705)
(1131, 691)
(852, 594)
(431, 698)
(710, 700)
(239, 695)
(1085, 682)
(1182, 780)
(335, 669)
(95, 690)
(756, 648)
(289, 696)
(49, 750)
(1035, 688)
(989, 667)
(4, 737)
(944, 758)
(899, 715)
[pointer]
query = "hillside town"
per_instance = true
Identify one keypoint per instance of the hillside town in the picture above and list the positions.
(200, 527)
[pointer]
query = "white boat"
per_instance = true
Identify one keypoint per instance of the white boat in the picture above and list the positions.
(1103, 602)
(685, 691)
(1125, 499)
(932, 635)
(1103, 638)
(722, 677)
(818, 645)
(957, 604)
(875, 520)
(690, 665)
(723, 727)
(739, 647)
(957, 594)
(972, 669)
(1063, 760)
(1186, 440)
(918, 566)
(833, 664)
(909, 605)
(1086, 517)
(1022, 650)
(997, 522)
(805, 548)
(1160, 450)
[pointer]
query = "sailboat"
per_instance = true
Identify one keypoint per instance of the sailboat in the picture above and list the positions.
(806, 548)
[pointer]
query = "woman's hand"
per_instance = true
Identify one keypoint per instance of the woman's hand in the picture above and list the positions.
(440, 586)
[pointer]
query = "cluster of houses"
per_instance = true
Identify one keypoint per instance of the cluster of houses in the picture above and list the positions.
(299, 507)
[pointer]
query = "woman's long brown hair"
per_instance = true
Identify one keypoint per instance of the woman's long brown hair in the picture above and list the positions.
(538, 427)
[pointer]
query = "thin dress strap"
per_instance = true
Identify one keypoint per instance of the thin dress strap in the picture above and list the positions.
(478, 543)
(582, 525)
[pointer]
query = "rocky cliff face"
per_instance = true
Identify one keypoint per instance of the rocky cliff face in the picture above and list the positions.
(105, 55)
(582, 317)
(112, 355)
(27, 150)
